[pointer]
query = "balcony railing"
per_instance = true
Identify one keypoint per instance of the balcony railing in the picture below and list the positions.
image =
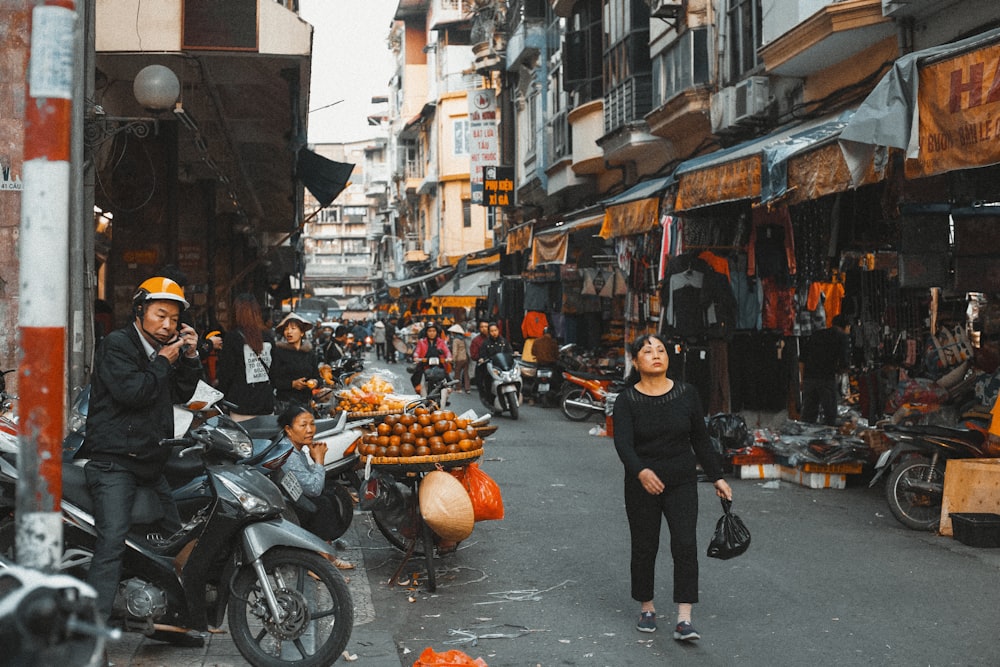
(560, 136)
(629, 101)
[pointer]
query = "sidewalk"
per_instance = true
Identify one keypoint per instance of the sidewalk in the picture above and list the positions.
(372, 648)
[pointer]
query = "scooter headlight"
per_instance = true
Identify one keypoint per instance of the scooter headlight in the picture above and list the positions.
(241, 442)
(254, 505)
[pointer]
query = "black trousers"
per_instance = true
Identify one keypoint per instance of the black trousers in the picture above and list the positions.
(817, 394)
(329, 521)
(679, 504)
(113, 489)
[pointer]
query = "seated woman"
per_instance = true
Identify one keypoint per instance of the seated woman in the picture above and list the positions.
(331, 518)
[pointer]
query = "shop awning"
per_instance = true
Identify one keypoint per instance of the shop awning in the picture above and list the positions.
(755, 168)
(519, 237)
(462, 291)
(396, 286)
(940, 100)
(634, 211)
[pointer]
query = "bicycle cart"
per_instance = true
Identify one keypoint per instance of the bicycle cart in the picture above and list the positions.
(412, 535)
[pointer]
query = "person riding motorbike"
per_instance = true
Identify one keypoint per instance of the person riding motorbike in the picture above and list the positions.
(429, 345)
(493, 344)
(140, 372)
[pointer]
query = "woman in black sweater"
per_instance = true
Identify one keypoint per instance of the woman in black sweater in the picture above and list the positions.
(660, 436)
(245, 361)
(295, 372)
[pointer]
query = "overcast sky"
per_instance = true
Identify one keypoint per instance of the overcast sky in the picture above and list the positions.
(350, 62)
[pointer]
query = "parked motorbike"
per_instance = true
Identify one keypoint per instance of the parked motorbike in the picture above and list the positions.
(49, 619)
(916, 464)
(586, 394)
(236, 557)
(540, 383)
(501, 390)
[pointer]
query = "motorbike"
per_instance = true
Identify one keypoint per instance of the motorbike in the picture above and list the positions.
(916, 464)
(585, 394)
(437, 381)
(501, 390)
(49, 619)
(236, 558)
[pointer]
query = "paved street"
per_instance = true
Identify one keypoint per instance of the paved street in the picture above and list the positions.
(830, 579)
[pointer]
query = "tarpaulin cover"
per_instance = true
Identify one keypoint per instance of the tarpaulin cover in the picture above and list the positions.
(953, 137)
(519, 238)
(550, 249)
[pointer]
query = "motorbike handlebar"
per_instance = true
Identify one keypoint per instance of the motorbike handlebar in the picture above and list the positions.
(175, 442)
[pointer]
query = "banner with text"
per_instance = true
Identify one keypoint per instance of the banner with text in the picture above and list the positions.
(959, 110)
(483, 134)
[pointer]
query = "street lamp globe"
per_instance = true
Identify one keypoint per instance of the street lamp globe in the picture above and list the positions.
(156, 88)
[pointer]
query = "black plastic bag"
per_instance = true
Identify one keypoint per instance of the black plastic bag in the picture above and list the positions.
(378, 492)
(731, 536)
(730, 430)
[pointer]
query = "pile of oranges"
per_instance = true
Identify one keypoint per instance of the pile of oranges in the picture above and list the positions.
(423, 433)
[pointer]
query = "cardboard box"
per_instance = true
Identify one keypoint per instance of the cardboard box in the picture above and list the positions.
(759, 471)
(813, 480)
(970, 485)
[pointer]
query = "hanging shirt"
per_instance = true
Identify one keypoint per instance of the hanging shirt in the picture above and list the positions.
(771, 251)
(831, 295)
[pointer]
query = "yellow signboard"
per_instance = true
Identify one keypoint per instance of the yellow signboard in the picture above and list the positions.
(959, 107)
(729, 181)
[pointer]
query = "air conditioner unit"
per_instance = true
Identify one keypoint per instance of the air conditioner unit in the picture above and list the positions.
(750, 99)
(664, 9)
(721, 109)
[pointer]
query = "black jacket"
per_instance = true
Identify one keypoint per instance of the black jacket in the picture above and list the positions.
(291, 364)
(131, 403)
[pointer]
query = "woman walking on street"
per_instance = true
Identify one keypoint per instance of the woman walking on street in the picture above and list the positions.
(660, 436)
(460, 356)
(245, 362)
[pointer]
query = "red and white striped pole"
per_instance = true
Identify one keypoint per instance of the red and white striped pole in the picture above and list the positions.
(44, 282)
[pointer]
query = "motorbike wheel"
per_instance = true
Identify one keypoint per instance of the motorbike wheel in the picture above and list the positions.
(321, 613)
(574, 413)
(512, 407)
(915, 508)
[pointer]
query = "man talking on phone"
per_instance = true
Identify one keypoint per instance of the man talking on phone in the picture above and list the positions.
(140, 372)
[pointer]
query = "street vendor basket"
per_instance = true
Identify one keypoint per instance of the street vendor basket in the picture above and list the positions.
(399, 465)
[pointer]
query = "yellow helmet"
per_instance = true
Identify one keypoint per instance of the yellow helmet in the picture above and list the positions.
(160, 289)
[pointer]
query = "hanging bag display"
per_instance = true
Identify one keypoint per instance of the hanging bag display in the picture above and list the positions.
(731, 536)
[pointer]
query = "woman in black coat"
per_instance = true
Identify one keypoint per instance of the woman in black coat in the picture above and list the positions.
(295, 370)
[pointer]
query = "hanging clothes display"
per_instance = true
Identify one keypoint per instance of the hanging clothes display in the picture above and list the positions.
(698, 300)
(771, 251)
(748, 293)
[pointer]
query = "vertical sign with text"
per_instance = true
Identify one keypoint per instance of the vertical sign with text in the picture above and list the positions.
(483, 138)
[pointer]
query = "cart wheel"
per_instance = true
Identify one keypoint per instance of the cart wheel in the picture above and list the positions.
(429, 555)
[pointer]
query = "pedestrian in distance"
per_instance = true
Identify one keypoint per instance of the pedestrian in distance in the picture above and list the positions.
(379, 336)
(295, 370)
(331, 518)
(826, 353)
(140, 372)
(660, 436)
(460, 356)
(245, 361)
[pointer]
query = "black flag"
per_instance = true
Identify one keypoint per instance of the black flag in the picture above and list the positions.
(323, 177)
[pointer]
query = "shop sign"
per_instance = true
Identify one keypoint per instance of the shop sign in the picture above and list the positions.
(484, 145)
(498, 186)
(959, 113)
(730, 181)
(140, 257)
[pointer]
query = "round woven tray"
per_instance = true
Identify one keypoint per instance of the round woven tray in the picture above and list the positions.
(371, 415)
(424, 463)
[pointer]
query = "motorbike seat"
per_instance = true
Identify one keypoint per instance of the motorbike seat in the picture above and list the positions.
(146, 509)
(179, 471)
(261, 427)
(592, 376)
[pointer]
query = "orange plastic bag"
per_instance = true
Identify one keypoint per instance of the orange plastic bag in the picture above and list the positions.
(452, 658)
(487, 501)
